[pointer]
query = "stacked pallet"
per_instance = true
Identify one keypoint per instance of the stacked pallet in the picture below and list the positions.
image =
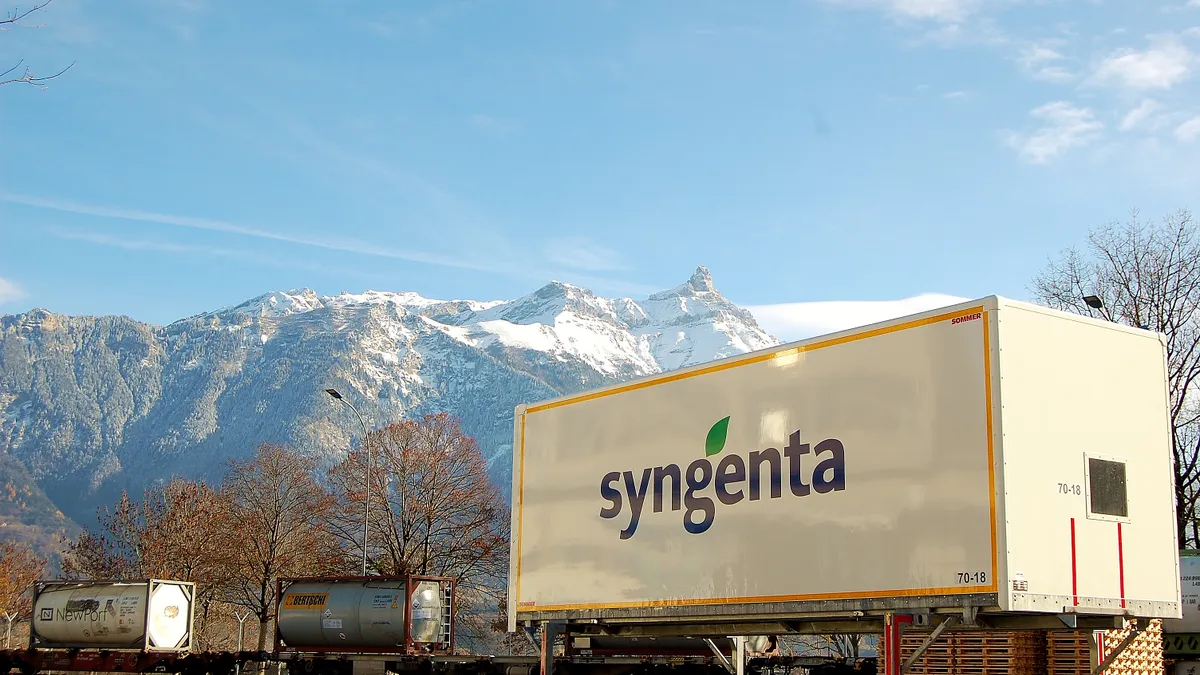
(1072, 653)
(1069, 652)
(1007, 653)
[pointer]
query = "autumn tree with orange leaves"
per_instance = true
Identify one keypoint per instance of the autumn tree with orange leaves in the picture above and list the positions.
(20, 568)
(175, 531)
(433, 511)
(170, 534)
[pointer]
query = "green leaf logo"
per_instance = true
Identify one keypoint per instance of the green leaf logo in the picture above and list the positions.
(715, 442)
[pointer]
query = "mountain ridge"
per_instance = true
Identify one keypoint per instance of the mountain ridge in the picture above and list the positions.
(91, 406)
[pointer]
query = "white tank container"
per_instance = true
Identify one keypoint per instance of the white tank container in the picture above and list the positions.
(149, 615)
(348, 615)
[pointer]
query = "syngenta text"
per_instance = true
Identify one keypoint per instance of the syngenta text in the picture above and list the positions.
(727, 479)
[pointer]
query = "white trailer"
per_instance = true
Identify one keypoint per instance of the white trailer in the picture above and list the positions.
(995, 459)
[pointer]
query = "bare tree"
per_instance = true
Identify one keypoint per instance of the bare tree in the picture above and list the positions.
(120, 549)
(845, 646)
(434, 511)
(14, 18)
(1147, 276)
(278, 517)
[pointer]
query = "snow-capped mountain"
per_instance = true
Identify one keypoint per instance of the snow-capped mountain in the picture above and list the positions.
(94, 405)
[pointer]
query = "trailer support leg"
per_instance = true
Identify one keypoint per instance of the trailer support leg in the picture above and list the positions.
(530, 634)
(1134, 631)
(891, 641)
(937, 632)
(724, 661)
(550, 631)
(740, 641)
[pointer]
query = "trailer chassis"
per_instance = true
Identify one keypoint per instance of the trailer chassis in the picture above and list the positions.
(32, 662)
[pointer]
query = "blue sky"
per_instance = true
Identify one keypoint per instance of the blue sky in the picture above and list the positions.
(201, 152)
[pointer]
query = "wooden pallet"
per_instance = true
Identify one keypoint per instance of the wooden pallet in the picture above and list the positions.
(1035, 653)
(1007, 653)
(1071, 652)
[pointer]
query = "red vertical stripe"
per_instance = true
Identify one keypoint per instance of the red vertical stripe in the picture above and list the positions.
(1074, 572)
(547, 649)
(886, 656)
(1121, 561)
(889, 647)
(892, 626)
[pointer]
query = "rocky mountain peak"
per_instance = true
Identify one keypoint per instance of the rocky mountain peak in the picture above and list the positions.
(701, 281)
(699, 286)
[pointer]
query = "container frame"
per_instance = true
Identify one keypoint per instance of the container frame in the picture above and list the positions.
(448, 586)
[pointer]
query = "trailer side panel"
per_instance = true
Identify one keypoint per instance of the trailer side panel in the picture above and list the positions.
(852, 468)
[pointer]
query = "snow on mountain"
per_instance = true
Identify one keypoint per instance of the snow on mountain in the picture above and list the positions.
(276, 305)
(94, 405)
(692, 323)
(685, 325)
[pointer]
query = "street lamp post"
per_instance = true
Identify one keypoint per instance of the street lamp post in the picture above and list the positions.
(1096, 303)
(367, 501)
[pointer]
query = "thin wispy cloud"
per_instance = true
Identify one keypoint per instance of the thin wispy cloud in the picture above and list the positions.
(449, 213)
(394, 22)
(800, 320)
(1189, 131)
(182, 17)
(10, 291)
(304, 136)
(1063, 127)
(947, 11)
(1164, 63)
(582, 253)
(528, 271)
(1043, 63)
(340, 244)
(1138, 116)
(101, 239)
(943, 23)
(196, 250)
(1161, 67)
(286, 137)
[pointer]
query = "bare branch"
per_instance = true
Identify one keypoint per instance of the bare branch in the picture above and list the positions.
(5, 73)
(30, 78)
(14, 17)
(1146, 276)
